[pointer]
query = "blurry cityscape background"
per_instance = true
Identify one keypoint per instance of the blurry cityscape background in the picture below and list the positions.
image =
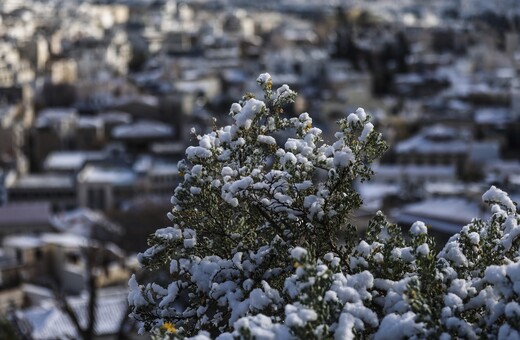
(97, 99)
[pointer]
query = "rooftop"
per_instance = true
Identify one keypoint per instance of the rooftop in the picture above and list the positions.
(154, 166)
(70, 160)
(436, 139)
(65, 240)
(90, 122)
(44, 181)
(164, 169)
(115, 117)
(83, 222)
(114, 175)
(493, 116)
(22, 241)
(49, 116)
(143, 129)
(169, 148)
(391, 170)
(374, 193)
(50, 322)
(446, 215)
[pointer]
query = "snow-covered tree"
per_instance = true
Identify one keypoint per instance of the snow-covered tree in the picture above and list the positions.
(261, 246)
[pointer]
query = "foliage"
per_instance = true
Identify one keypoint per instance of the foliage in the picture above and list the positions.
(7, 331)
(261, 245)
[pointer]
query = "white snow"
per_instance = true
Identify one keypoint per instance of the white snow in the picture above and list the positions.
(227, 171)
(244, 118)
(135, 295)
(360, 112)
(193, 152)
(345, 327)
(496, 195)
(367, 129)
(352, 118)
(453, 253)
(298, 316)
(396, 326)
(423, 249)
(343, 158)
(298, 253)
(195, 190)
(418, 228)
(236, 108)
(263, 78)
(289, 157)
(266, 140)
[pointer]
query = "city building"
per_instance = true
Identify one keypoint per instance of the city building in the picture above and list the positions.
(25, 218)
(57, 189)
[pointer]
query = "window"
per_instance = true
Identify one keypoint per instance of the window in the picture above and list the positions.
(38, 254)
(96, 198)
(72, 258)
(19, 256)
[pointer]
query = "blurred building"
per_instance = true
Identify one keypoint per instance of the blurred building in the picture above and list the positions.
(59, 190)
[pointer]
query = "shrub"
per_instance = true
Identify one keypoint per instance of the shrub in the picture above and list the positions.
(261, 246)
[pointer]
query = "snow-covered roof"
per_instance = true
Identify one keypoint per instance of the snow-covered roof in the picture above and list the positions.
(55, 115)
(143, 129)
(72, 241)
(115, 117)
(114, 175)
(493, 116)
(445, 188)
(50, 322)
(83, 221)
(485, 152)
(90, 122)
(70, 160)
(22, 241)
(65, 240)
(169, 147)
(163, 169)
(44, 181)
(147, 164)
(437, 139)
(446, 215)
(514, 179)
(399, 171)
(503, 167)
(372, 194)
